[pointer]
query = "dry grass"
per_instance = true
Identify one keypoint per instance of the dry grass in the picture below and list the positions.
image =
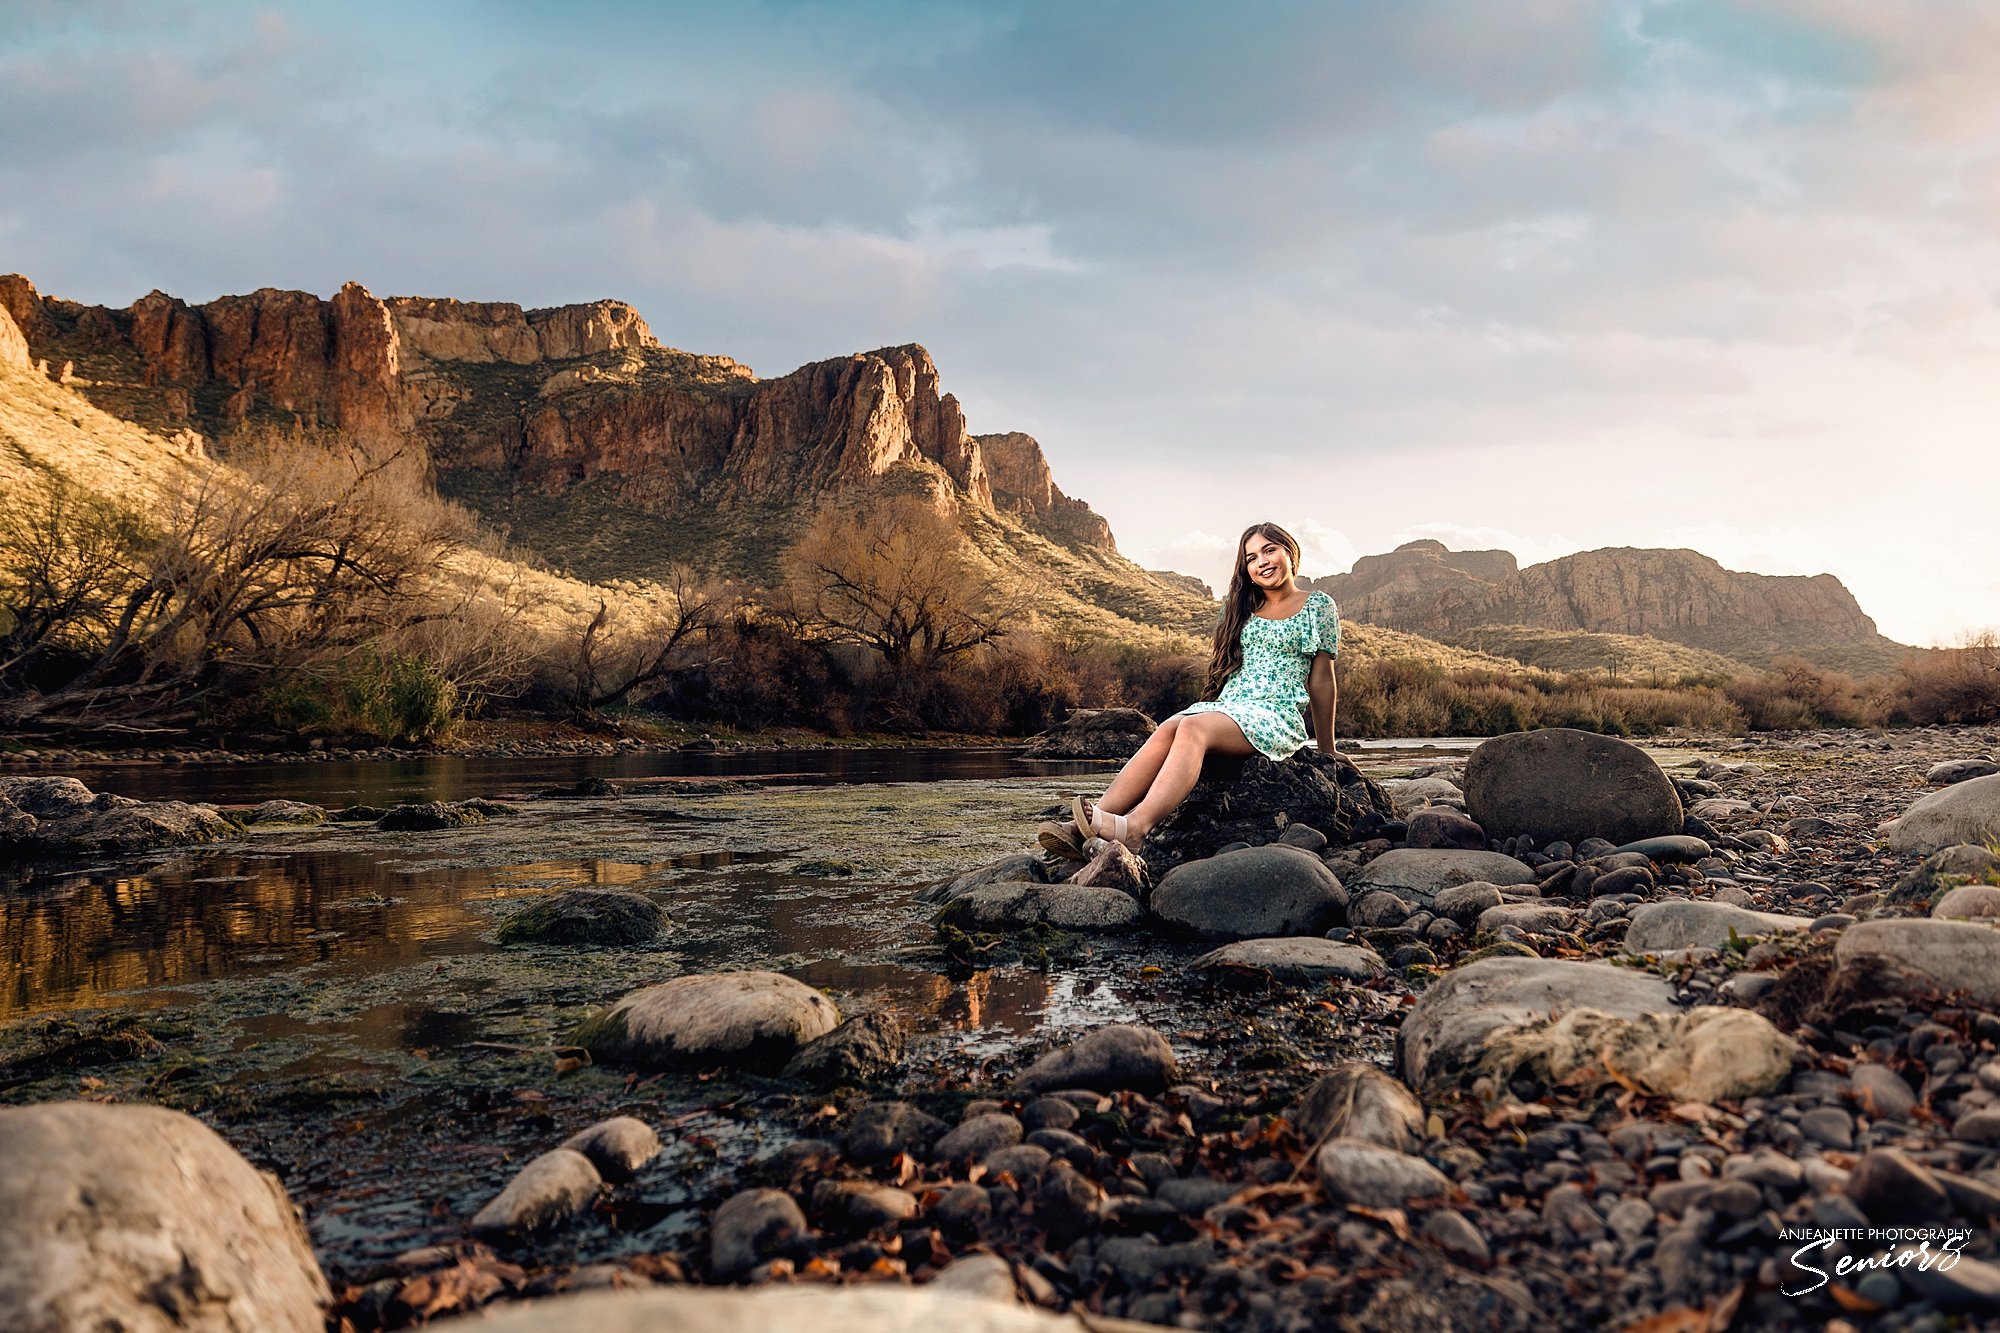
(1626, 656)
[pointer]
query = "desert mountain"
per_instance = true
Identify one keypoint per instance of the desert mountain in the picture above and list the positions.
(1483, 600)
(607, 453)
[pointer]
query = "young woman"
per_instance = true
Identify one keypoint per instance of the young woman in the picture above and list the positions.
(1274, 652)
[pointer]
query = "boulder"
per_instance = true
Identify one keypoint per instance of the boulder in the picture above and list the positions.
(1960, 770)
(749, 1228)
(1093, 733)
(814, 1308)
(1444, 1032)
(1020, 868)
(1255, 799)
(1965, 812)
(1419, 875)
(1561, 784)
(1946, 869)
(1703, 1055)
(586, 917)
(1912, 955)
(1113, 866)
(1359, 1172)
(617, 1147)
(1355, 1100)
(50, 798)
(861, 1050)
(284, 812)
(1109, 1059)
(741, 1018)
(1969, 902)
(133, 826)
(546, 1191)
(1408, 795)
(134, 1217)
(1250, 894)
(1300, 960)
(1445, 828)
(1686, 923)
(428, 816)
(1011, 907)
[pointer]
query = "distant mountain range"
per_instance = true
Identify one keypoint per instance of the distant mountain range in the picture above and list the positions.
(612, 456)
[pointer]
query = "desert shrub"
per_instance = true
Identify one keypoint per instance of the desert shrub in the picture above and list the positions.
(1794, 694)
(1950, 685)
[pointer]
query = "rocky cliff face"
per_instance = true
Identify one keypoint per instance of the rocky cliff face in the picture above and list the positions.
(545, 400)
(1677, 595)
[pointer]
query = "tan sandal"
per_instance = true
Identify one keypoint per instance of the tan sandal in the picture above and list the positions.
(1089, 820)
(1063, 840)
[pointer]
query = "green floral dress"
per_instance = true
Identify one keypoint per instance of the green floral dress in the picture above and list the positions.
(1266, 694)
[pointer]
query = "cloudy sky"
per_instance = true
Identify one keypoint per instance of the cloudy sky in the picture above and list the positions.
(1547, 275)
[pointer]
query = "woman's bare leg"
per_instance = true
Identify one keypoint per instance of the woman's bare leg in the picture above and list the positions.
(1195, 739)
(1133, 780)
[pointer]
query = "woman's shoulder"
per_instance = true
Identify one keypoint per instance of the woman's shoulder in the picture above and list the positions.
(1320, 598)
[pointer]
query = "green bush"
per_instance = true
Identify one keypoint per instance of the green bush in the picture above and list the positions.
(393, 698)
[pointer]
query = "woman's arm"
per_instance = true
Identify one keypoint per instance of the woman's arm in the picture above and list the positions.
(1322, 693)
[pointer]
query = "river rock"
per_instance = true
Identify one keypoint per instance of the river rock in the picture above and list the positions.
(1960, 770)
(608, 917)
(1559, 783)
(1113, 866)
(1946, 869)
(60, 817)
(284, 812)
(1093, 733)
(1688, 923)
(1360, 1172)
(1529, 918)
(1020, 868)
(1253, 893)
(751, 1227)
(855, 1206)
(985, 1276)
(1421, 874)
(134, 1217)
(1674, 849)
(1721, 807)
(742, 1018)
(1964, 812)
(1445, 828)
(546, 1191)
(1463, 903)
(617, 1147)
(1255, 799)
(427, 816)
(1916, 954)
(978, 1137)
(1704, 1055)
(52, 798)
(880, 1130)
(1881, 1092)
(1408, 795)
(1355, 1100)
(1443, 1033)
(861, 1050)
(1109, 1059)
(811, 1308)
(1969, 902)
(1299, 960)
(1012, 907)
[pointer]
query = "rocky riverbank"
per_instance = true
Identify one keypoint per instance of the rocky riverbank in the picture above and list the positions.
(1547, 1038)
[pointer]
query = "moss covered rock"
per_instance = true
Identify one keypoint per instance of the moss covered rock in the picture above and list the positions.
(587, 916)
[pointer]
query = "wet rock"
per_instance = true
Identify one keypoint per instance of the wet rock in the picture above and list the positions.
(978, 1137)
(1255, 799)
(1953, 771)
(1704, 1055)
(50, 798)
(115, 1217)
(852, 1206)
(1021, 868)
(861, 1050)
(1012, 907)
(1893, 1189)
(60, 817)
(284, 812)
(1445, 829)
(1965, 812)
(1443, 1034)
(1420, 875)
(1945, 870)
(1968, 902)
(1693, 924)
(1093, 733)
(1359, 1172)
(1561, 783)
(617, 1147)
(1255, 893)
(428, 816)
(1113, 866)
(603, 917)
(751, 1227)
(1916, 955)
(984, 1276)
(1110, 1059)
(582, 788)
(1295, 961)
(756, 1019)
(1355, 1100)
(546, 1191)
(880, 1130)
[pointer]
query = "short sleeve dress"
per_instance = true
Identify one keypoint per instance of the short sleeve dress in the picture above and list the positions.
(1266, 695)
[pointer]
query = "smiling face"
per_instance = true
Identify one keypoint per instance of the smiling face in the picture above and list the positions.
(1267, 562)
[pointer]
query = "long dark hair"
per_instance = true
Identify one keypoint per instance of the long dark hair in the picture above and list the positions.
(1238, 604)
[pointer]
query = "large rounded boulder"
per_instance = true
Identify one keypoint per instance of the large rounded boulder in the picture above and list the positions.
(140, 1218)
(1256, 800)
(756, 1019)
(1965, 812)
(1558, 784)
(1254, 893)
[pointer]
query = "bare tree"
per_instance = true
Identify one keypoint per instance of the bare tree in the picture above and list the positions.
(642, 640)
(68, 560)
(894, 575)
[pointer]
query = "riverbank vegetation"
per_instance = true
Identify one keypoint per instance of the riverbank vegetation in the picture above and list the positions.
(311, 589)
